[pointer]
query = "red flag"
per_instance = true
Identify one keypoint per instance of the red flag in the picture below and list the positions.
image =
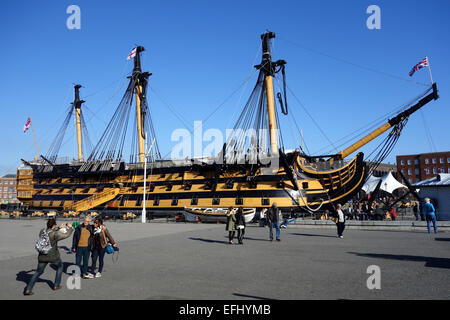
(27, 125)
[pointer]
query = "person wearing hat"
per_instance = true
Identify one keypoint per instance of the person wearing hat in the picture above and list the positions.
(274, 221)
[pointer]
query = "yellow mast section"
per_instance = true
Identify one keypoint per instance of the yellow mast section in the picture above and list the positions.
(77, 104)
(390, 123)
(271, 114)
(139, 119)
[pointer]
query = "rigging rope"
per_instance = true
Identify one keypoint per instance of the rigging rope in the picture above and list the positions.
(354, 64)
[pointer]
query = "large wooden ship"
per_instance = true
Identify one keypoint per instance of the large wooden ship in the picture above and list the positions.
(250, 172)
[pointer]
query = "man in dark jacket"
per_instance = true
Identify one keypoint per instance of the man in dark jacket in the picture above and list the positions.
(273, 218)
(55, 234)
(81, 245)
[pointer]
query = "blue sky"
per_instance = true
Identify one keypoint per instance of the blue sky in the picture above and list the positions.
(200, 52)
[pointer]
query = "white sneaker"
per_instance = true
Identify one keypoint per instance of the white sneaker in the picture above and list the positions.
(88, 276)
(341, 237)
(98, 275)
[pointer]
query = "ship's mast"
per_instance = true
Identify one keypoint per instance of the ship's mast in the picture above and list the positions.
(77, 105)
(140, 84)
(268, 70)
(268, 67)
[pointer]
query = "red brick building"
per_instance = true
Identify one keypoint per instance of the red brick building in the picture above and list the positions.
(418, 167)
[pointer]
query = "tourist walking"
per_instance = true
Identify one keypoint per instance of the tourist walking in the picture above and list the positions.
(240, 225)
(340, 221)
(99, 242)
(430, 215)
(231, 224)
(81, 245)
(274, 221)
(53, 234)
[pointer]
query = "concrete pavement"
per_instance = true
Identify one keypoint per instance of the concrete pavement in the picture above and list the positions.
(195, 261)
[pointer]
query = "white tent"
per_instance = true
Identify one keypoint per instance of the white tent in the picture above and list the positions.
(388, 183)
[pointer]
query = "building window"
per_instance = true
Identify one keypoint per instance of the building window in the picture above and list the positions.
(410, 180)
(448, 170)
(403, 171)
(417, 172)
(434, 161)
(402, 162)
(435, 170)
(427, 171)
(441, 160)
(409, 172)
(416, 161)
(442, 170)
(427, 161)
(448, 160)
(409, 162)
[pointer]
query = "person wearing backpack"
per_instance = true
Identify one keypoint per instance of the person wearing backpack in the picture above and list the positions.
(49, 254)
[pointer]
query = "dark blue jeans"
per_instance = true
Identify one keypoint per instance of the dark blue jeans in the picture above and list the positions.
(40, 270)
(98, 254)
(82, 254)
(431, 218)
(277, 226)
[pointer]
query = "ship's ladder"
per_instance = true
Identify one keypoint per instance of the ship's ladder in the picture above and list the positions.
(95, 200)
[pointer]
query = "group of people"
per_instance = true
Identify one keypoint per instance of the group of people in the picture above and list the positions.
(236, 222)
(377, 210)
(88, 241)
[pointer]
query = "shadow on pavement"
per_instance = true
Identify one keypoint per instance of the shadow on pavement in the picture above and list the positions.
(25, 277)
(312, 235)
(429, 261)
(442, 239)
(65, 266)
(253, 297)
(209, 240)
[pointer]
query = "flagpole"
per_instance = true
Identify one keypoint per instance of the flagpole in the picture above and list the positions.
(34, 136)
(429, 70)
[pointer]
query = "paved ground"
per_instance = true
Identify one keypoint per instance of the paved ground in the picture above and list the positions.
(194, 261)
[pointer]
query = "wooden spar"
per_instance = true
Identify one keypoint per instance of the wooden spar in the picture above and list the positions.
(268, 68)
(391, 123)
(137, 73)
(77, 104)
(141, 140)
(271, 114)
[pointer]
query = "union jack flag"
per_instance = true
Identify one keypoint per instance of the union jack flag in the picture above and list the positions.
(420, 65)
